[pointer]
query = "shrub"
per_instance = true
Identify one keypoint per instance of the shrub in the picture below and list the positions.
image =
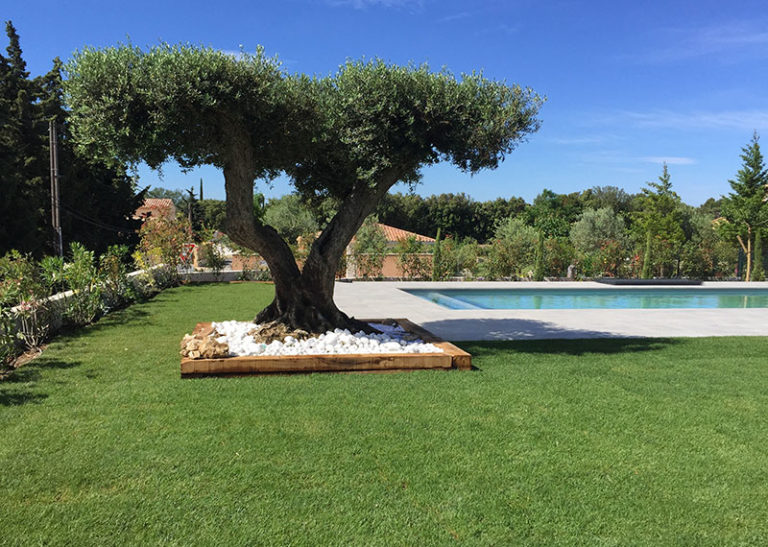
(162, 246)
(369, 249)
(513, 252)
(85, 282)
(7, 339)
(52, 273)
(19, 279)
(412, 260)
(34, 322)
(117, 289)
(214, 258)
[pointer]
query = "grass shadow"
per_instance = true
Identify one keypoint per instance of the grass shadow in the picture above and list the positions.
(569, 347)
(18, 387)
(19, 397)
(531, 336)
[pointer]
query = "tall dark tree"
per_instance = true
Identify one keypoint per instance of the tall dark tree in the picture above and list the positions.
(489, 214)
(404, 211)
(349, 137)
(23, 206)
(96, 201)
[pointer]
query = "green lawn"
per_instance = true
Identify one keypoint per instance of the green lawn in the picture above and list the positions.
(603, 442)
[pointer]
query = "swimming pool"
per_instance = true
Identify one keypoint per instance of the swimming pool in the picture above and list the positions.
(608, 298)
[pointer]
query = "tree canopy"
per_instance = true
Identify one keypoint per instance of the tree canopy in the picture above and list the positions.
(349, 136)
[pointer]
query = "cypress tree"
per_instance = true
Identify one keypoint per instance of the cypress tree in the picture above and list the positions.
(758, 270)
(437, 260)
(23, 205)
(538, 272)
(647, 272)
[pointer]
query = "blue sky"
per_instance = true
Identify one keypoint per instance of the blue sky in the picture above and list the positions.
(630, 84)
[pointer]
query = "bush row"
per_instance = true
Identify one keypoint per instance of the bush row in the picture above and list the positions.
(38, 298)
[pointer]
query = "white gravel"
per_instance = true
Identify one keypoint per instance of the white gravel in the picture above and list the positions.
(235, 334)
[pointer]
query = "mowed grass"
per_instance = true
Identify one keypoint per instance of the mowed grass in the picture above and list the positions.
(603, 442)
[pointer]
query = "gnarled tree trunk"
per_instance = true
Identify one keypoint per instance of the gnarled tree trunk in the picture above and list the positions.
(303, 298)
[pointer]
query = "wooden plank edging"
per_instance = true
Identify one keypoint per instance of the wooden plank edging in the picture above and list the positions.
(451, 358)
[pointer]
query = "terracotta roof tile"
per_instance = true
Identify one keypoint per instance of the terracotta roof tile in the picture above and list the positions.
(156, 207)
(396, 234)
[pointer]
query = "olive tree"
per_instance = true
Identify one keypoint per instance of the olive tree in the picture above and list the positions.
(348, 137)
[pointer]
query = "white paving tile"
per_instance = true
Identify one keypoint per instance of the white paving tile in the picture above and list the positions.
(380, 299)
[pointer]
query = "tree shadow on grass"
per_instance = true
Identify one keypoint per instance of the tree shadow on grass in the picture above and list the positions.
(569, 347)
(21, 385)
(530, 336)
(122, 317)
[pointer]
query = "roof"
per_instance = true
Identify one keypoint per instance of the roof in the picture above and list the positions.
(396, 234)
(156, 207)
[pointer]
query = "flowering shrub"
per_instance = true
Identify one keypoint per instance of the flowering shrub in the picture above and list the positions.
(163, 241)
(117, 290)
(34, 322)
(7, 339)
(19, 279)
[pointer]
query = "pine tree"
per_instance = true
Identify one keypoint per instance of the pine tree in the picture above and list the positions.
(662, 219)
(745, 208)
(96, 200)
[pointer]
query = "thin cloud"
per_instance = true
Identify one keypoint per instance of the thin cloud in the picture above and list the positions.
(669, 160)
(455, 17)
(499, 29)
(724, 41)
(576, 141)
(365, 4)
(745, 120)
(621, 159)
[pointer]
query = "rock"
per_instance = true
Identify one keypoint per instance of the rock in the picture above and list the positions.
(199, 346)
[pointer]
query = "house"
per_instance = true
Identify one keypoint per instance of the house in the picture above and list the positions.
(391, 267)
(156, 208)
(395, 235)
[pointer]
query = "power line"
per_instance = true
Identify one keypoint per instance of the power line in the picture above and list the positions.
(95, 222)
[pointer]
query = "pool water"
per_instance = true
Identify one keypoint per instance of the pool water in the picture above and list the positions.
(609, 298)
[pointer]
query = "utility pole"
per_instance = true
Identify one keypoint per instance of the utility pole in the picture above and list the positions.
(58, 244)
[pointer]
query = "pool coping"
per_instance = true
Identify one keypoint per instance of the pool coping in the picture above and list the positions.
(384, 298)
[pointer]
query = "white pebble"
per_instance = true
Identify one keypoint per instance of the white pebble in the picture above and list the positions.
(340, 341)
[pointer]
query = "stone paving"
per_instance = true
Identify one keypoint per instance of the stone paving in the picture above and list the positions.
(379, 299)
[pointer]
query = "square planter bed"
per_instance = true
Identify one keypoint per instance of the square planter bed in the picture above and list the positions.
(450, 358)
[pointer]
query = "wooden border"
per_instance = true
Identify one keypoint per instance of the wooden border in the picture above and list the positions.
(451, 358)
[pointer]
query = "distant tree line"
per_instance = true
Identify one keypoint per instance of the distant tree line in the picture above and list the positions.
(600, 231)
(96, 200)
